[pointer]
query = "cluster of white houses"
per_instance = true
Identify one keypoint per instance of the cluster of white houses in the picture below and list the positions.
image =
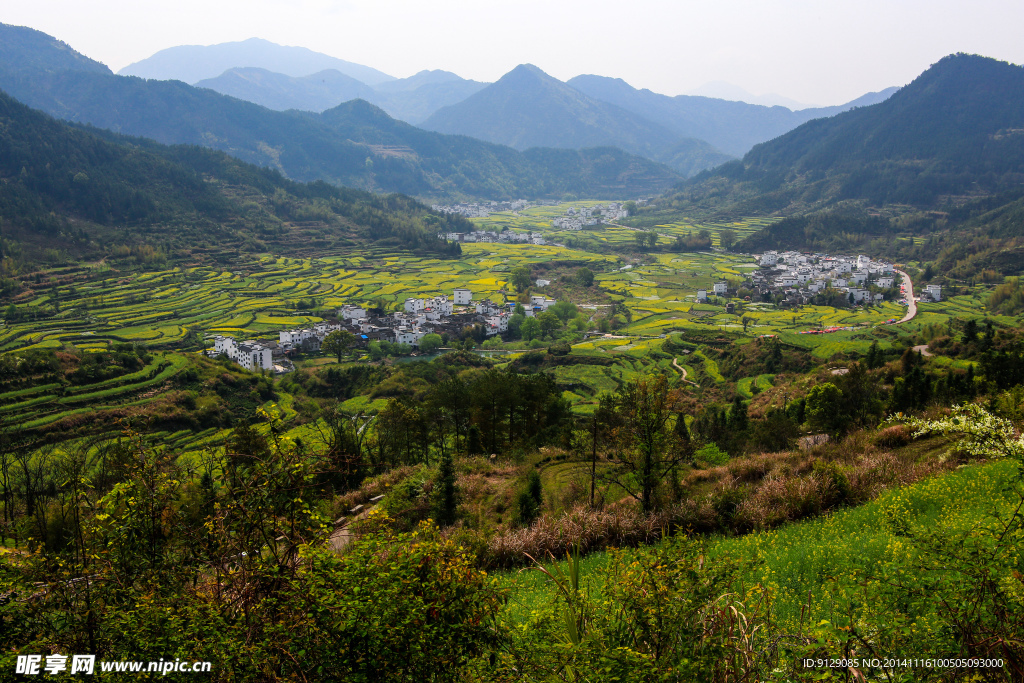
(506, 236)
(418, 317)
(482, 210)
(800, 276)
(577, 219)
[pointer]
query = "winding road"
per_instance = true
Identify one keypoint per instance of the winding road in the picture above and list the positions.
(911, 304)
(682, 370)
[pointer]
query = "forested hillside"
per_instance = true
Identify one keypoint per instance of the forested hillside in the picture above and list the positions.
(70, 192)
(934, 173)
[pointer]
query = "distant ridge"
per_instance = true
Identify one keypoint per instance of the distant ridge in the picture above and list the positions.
(528, 108)
(366, 149)
(731, 126)
(193, 63)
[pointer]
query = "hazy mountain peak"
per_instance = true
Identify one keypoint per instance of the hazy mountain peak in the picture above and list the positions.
(729, 91)
(29, 48)
(194, 63)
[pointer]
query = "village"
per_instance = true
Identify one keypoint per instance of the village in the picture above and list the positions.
(482, 210)
(797, 278)
(445, 316)
(787, 279)
(577, 219)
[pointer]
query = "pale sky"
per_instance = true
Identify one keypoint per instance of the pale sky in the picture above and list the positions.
(815, 51)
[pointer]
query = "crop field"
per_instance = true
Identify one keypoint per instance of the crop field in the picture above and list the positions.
(43, 405)
(539, 218)
(159, 308)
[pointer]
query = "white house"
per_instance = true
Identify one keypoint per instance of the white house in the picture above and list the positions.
(348, 312)
(462, 297)
(254, 356)
(769, 258)
(414, 305)
(250, 355)
(702, 296)
(858, 294)
(934, 292)
(885, 282)
(720, 288)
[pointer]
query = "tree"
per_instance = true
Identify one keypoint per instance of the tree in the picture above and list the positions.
(446, 493)
(874, 356)
(726, 238)
(970, 331)
(638, 418)
(529, 500)
(564, 310)
(825, 409)
(338, 342)
(430, 343)
(530, 329)
(521, 278)
(630, 207)
(585, 277)
(549, 323)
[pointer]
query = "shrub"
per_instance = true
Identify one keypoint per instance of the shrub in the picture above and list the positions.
(893, 437)
(711, 456)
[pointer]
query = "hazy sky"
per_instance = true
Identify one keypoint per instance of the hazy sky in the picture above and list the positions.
(814, 51)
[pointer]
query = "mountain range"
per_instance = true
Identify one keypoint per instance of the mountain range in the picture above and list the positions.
(360, 147)
(732, 127)
(410, 99)
(528, 108)
(193, 63)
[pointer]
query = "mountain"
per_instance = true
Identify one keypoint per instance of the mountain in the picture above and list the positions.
(941, 160)
(307, 147)
(415, 98)
(32, 49)
(410, 99)
(193, 63)
(733, 127)
(453, 162)
(528, 108)
(956, 131)
(721, 90)
(71, 191)
(425, 77)
(280, 92)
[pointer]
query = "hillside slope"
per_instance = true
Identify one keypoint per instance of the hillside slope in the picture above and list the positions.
(70, 192)
(955, 133)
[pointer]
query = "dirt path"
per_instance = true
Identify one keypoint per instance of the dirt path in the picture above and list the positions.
(682, 371)
(911, 304)
(923, 350)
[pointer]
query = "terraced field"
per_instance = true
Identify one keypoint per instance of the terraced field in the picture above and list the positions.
(40, 406)
(159, 308)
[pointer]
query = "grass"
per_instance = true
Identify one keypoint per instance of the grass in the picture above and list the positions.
(819, 557)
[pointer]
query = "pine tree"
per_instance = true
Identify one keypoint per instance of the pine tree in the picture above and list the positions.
(446, 493)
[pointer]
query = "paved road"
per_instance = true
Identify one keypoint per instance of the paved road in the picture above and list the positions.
(911, 304)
